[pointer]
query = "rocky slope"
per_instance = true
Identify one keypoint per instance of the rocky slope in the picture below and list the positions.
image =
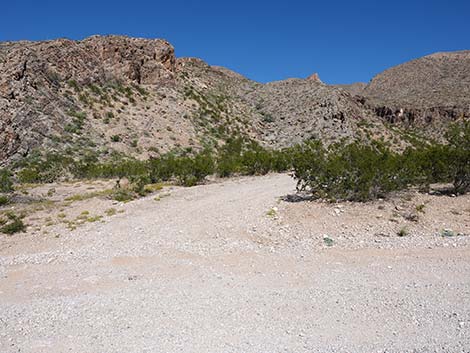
(428, 92)
(133, 96)
(48, 89)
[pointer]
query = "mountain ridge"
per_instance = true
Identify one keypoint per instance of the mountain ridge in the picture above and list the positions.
(118, 94)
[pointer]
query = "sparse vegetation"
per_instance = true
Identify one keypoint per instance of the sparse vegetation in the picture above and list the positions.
(78, 120)
(354, 172)
(116, 138)
(123, 195)
(6, 183)
(328, 241)
(10, 223)
(4, 200)
(271, 212)
(420, 208)
(402, 232)
(90, 195)
(447, 233)
(110, 211)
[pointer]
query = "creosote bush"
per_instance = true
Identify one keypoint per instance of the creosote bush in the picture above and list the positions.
(4, 200)
(10, 223)
(357, 172)
(6, 184)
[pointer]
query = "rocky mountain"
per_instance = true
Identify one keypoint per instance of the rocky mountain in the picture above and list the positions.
(428, 92)
(108, 94)
(119, 94)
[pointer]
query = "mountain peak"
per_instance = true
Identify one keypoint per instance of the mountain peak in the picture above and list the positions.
(314, 77)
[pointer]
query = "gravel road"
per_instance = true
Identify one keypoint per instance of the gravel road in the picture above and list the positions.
(206, 269)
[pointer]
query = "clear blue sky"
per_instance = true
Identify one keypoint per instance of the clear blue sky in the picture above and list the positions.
(344, 41)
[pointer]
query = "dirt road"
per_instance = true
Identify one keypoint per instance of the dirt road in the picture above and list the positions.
(218, 268)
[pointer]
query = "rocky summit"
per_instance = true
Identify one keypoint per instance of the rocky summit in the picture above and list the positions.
(134, 96)
(428, 92)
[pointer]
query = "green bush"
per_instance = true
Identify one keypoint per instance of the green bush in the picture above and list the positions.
(256, 160)
(4, 200)
(28, 175)
(162, 169)
(11, 223)
(123, 195)
(353, 172)
(78, 120)
(459, 156)
(192, 170)
(45, 168)
(236, 156)
(187, 170)
(138, 184)
(359, 173)
(6, 184)
(229, 157)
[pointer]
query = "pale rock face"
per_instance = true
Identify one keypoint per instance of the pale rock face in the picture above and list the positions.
(145, 61)
(95, 59)
(315, 78)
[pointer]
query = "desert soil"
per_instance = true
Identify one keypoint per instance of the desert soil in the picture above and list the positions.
(234, 267)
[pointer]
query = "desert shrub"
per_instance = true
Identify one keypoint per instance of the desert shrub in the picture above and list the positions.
(73, 84)
(187, 170)
(138, 183)
(459, 156)
(28, 175)
(115, 138)
(353, 172)
(78, 120)
(256, 160)
(184, 171)
(281, 160)
(229, 157)
(11, 223)
(309, 163)
(362, 173)
(442, 163)
(44, 168)
(4, 200)
(359, 173)
(204, 164)
(237, 156)
(243, 156)
(163, 168)
(6, 183)
(123, 195)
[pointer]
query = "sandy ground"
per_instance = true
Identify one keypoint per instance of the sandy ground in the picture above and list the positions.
(231, 267)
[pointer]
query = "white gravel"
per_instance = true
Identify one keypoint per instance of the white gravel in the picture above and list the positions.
(208, 270)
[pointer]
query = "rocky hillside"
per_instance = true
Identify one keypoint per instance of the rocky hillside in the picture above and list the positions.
(64, 93)
(116, 94)
(428, 92)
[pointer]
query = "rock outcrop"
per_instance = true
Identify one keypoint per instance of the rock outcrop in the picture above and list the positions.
(426, 93)
(314, 77)
(33, 75)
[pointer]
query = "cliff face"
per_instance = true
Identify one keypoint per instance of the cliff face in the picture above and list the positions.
(34, 103)
(93, 60)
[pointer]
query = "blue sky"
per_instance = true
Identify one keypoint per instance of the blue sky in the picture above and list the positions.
(344, 41)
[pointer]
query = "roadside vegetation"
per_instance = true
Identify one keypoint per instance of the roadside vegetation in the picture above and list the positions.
(358, 172)
(354, 172)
